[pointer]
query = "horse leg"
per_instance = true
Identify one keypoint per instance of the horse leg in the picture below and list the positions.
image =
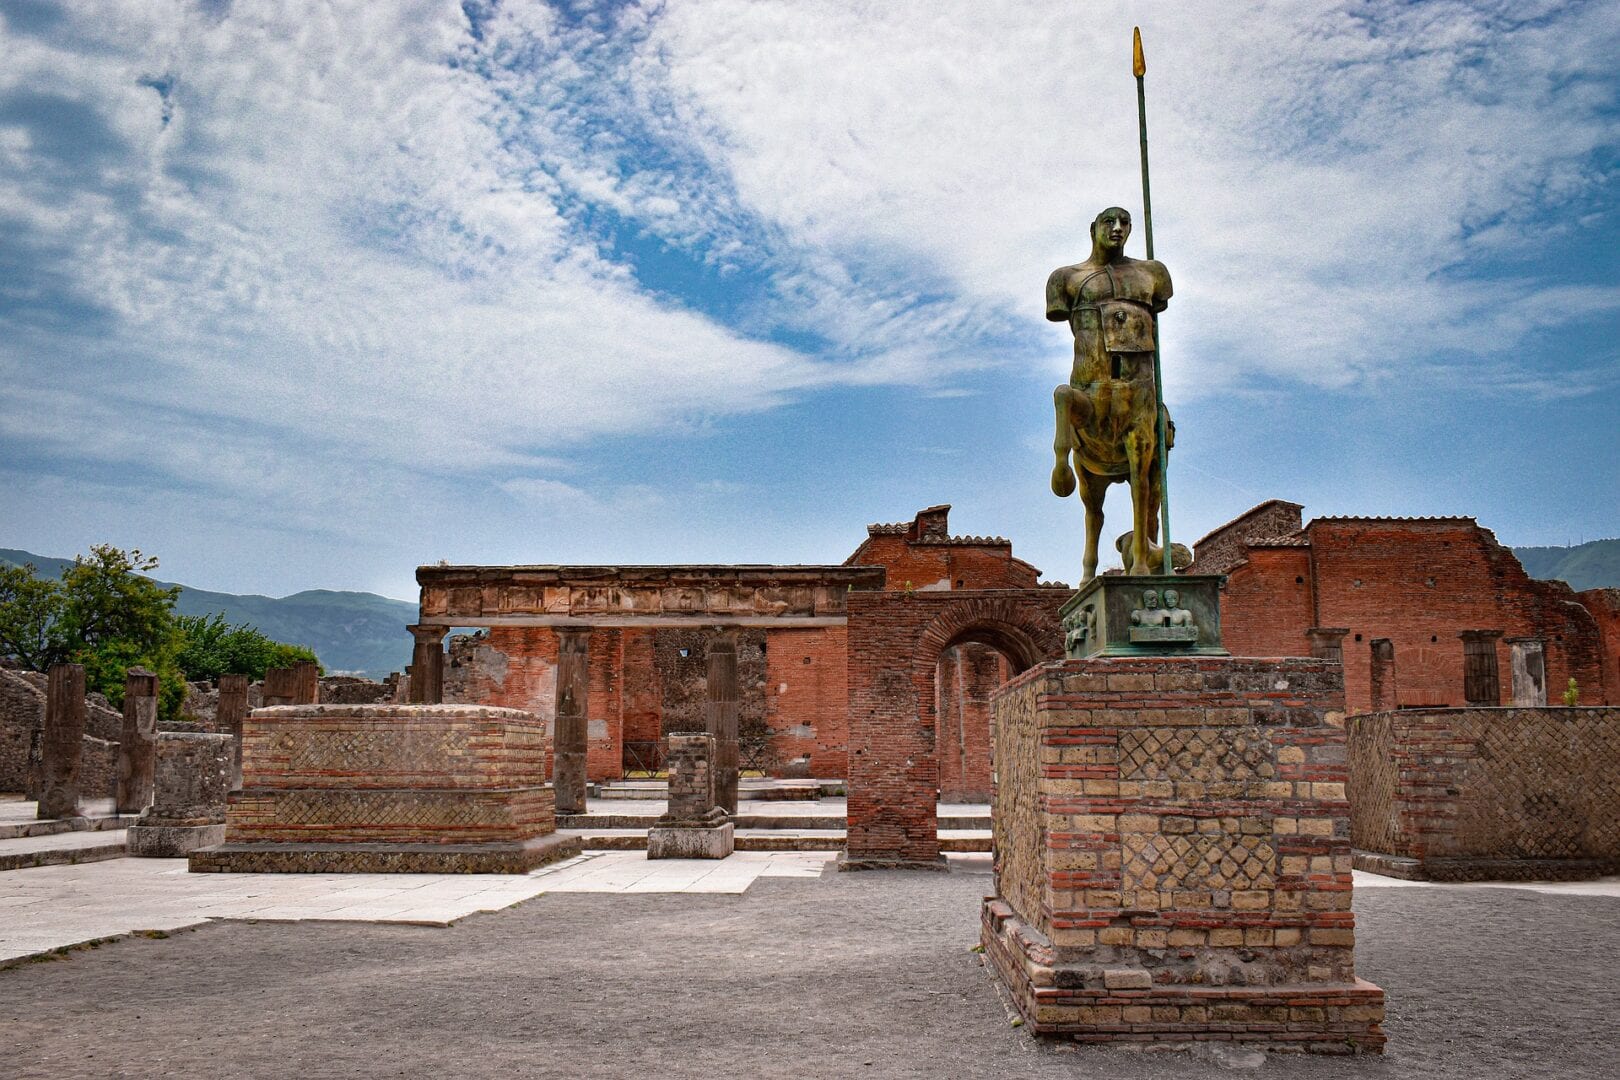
(1092, 490)
(1139, 451)
(1062, 474)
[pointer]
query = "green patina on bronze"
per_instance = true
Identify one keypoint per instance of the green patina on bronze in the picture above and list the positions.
(1152, 615)
(1112, 427)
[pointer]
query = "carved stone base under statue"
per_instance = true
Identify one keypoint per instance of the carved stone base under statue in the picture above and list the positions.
(1172, 854)
(379, 789)
(1134, 615)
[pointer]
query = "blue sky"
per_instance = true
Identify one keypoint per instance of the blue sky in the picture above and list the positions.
(301, 295)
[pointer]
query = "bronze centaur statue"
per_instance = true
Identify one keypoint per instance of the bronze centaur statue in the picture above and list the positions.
(1106, 414)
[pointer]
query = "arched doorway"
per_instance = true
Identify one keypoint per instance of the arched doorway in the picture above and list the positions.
(897, 641)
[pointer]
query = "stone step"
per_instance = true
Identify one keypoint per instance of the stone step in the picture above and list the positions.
(62, 849)
(596, 839)
(18, 830)
(598, 819)
(763, 790)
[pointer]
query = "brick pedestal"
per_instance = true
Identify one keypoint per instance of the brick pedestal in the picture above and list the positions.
(1173, 854)
(390, 789)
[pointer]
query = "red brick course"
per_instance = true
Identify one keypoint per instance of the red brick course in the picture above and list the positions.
(1173, 853)
(896, 640)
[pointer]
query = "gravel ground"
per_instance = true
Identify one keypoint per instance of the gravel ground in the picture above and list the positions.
(847, 975)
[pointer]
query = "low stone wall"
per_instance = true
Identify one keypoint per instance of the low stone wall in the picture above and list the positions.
(1172, 854)
(389, 788)
(1486, 794)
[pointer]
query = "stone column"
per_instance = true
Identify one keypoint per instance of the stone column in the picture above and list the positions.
(1482, 681)
(427, 665)
(233, 691)
(1327, 643)
(571, 736)
(1529, 672)
(721, 717)
(306, 683)
(1383, 675)
(62, 742)
(137, 742)
(279, 686)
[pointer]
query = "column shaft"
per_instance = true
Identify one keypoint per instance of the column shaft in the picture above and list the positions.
(721, 717)
(137, 743)
(62, 742)
(571, 737)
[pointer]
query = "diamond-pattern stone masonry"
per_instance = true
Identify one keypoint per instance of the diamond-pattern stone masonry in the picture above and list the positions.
(1172, 854)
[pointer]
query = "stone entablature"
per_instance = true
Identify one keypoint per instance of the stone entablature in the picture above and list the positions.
(640, 595)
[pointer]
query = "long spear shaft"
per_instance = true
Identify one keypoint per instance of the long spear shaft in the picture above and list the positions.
(1139, 67)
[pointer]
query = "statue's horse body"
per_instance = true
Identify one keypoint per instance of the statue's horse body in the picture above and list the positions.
(1107, 415)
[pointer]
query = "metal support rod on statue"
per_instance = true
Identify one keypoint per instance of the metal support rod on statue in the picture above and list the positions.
(1139, 67)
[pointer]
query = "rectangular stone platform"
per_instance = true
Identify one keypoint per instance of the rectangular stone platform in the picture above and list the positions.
(1173, 854)
(390, 789)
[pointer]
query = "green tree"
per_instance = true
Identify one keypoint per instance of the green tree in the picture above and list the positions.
(114, 618)
(210, 648)
(29, 609)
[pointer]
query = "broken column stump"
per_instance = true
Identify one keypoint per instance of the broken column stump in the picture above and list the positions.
(61, 742)
(407, 789)
(137, 744)
(1172, 854)
(233, 707)
(572, 724)
(692, 827)
(190, 779)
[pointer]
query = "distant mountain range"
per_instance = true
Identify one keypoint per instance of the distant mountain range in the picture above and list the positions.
(352, 632)
(1592, 565)
(363, 633)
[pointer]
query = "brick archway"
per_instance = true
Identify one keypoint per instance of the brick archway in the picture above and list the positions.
(895, 642)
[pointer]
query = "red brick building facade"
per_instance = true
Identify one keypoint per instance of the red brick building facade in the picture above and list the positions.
(1442, 599)
(1435, 589)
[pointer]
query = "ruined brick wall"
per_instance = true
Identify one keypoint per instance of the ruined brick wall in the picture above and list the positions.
(895, 642)
(422, 774)
(930, 565)
(1194, 817)
(22, 712)
(966, 677)
(1266, 605)
(1474, 794)
(640, 699)
(807, 700)
(22, 717)
(1420, 582)
(1223, 549)
(1604, 604)
(1022, 760)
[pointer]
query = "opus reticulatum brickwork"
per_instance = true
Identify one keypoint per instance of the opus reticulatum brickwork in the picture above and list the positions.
(1173, 854)
(389, 789)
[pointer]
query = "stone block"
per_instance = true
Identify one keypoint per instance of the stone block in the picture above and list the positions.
(715, 842)
(172, 841)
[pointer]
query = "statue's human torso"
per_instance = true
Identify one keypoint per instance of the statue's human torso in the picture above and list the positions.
(1109, 305)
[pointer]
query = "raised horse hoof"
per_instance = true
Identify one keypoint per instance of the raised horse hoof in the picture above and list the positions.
(1062, 480)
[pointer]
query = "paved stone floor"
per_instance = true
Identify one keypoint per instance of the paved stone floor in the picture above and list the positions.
(823, 976)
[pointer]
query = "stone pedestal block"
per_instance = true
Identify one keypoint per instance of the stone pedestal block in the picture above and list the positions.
(390, 789)
(191, 774)
(703, 842)
(1172, 854)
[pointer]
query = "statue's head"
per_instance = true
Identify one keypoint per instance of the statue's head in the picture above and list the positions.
(1111, 228)
(1150, 599)
(1172, 598)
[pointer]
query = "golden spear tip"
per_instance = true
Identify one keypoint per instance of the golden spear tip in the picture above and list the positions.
(1138, 62)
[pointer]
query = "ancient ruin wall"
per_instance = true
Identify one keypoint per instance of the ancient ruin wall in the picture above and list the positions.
(1475, 794)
